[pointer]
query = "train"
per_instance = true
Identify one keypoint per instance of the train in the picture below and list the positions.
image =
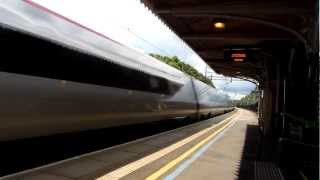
(57, 76)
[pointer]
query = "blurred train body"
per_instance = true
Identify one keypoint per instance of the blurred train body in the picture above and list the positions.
(57, 76)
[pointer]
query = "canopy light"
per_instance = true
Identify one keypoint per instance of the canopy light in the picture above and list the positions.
(219, 25)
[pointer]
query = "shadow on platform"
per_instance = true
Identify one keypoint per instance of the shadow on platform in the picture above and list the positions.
(264, 158)
(258, 157)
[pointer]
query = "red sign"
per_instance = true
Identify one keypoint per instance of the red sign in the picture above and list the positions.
(238, 57)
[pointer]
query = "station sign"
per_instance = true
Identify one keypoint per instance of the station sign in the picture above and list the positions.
(237, 55)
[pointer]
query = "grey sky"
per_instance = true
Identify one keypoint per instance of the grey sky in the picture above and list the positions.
(130, 23)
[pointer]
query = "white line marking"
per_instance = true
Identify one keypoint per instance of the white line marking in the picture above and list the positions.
(195, 156)
(133, 166)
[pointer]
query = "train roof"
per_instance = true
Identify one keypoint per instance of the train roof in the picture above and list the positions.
(36, 20)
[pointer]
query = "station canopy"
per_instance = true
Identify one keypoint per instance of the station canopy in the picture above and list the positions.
(237, 37)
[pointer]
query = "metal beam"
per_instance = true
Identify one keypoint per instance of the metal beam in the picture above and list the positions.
(235, 36)
(212, 54)
(241, 8)
(244, 65)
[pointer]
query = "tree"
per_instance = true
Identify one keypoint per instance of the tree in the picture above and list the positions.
(186, 68)
(249, 100)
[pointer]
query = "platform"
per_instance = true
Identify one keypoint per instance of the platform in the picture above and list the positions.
(208, 149)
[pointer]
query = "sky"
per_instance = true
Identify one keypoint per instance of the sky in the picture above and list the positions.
(131, 23)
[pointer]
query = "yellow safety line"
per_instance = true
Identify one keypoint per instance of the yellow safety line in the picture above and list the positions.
(180, 158)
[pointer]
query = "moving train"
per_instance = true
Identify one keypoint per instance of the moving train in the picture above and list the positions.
(57, 76)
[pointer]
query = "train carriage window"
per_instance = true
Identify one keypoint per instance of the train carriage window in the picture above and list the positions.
(26, 54)
(154, 83)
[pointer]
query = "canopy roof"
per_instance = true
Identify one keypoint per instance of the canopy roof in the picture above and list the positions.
(262, 29)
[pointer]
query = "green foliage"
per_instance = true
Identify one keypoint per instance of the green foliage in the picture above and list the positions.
(248, 100)
(186, 68)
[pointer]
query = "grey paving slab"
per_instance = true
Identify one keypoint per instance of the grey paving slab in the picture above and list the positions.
(44, 176)
(162, 141)
(139, 148)
(113, 156)
(150, 168)
(77, 168)
(143, 172)
(222, 159)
